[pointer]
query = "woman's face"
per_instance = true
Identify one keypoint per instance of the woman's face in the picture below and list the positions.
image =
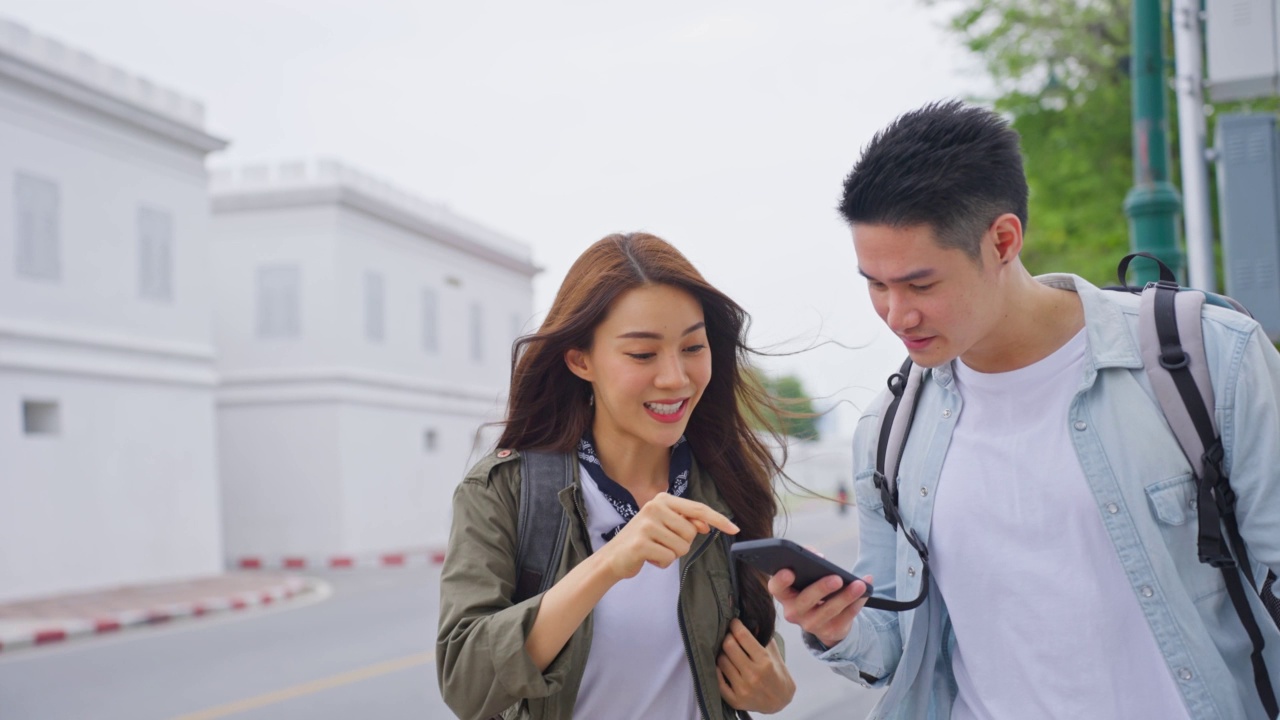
(648, 364)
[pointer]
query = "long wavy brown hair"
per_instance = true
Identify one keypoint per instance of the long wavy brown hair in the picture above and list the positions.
(549, 407)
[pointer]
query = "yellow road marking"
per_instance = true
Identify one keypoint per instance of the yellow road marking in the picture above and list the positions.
(314, 686)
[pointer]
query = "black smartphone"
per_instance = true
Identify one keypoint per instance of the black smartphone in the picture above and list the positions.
(773, 554)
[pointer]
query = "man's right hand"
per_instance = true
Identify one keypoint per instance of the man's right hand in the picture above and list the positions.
(826, 618)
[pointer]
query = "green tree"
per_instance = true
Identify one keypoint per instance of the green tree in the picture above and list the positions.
(1060, 69)
(795, 416)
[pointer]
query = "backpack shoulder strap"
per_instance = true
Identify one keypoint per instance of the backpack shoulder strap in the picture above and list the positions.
(543, 523)
(1172, 344)
(895, 425)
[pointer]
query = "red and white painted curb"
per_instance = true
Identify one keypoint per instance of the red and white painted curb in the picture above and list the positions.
(58, 630)
(407, 558)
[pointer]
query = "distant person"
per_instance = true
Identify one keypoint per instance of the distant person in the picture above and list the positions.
(842, 498)
(1057, 511)
(638, 375)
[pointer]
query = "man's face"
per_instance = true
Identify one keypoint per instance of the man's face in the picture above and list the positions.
(940, 302)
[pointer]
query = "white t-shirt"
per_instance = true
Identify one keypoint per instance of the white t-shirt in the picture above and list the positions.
(1046, 623)
(637, 668)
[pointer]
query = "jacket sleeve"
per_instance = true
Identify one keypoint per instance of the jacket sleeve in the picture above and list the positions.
(1248, 399)
(870, 652)
(481, 663)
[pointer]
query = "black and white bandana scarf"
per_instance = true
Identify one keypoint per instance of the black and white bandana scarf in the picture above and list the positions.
(618, 496)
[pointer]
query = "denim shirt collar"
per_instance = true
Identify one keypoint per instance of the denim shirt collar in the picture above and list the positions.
(1111, 342)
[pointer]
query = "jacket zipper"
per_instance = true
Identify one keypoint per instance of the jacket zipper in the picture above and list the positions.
(684, 630)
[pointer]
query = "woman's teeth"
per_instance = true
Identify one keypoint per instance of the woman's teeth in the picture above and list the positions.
(665, 408)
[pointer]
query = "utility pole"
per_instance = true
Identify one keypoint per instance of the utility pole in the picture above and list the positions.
(1152, 204)
(1188, 53)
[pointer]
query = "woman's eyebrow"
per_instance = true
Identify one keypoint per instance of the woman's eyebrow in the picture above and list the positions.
(646, 335)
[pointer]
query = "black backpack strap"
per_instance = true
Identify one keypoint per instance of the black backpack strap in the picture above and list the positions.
(1179, 375)
(543, 523)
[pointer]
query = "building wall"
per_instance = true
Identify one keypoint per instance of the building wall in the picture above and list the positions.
(281, 478)
(400, 409)
(125, 488)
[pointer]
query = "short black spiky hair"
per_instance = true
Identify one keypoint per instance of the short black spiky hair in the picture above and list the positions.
(950, 166)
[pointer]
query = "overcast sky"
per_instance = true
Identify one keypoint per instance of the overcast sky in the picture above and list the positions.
(723, 126)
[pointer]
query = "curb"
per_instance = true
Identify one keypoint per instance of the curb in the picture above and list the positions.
(57, 631)
(408, 558)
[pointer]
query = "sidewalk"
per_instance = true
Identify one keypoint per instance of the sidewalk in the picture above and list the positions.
(53, 619)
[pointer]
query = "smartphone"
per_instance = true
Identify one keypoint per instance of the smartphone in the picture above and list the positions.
(773, 554)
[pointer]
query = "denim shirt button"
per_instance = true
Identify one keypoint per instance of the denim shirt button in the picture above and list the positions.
(1185, 674)
(1081, 425)
(1193, 503)
(946, 413)
(1113, 508)
(1148, 592)
(911, 571)
(924, 492)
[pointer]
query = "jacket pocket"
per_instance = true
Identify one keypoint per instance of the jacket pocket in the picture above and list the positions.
(1173, 504)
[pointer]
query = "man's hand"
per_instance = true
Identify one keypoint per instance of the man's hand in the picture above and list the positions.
(826, 618)
(753, 676)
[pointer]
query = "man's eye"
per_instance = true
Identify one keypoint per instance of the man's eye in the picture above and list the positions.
(922, 288)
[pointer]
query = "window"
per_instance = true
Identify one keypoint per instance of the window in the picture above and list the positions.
(155, 254)
(36, 228)
(477, 332)
(279, 305)
(40, 417)
(429, 440)
(374, 320)
(430, 320)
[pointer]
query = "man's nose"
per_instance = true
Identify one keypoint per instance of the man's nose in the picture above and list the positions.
(901, 314)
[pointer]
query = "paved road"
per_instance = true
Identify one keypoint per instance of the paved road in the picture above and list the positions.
(364, 651)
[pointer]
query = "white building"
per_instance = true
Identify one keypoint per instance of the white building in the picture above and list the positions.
(363, 335)
(107, 456)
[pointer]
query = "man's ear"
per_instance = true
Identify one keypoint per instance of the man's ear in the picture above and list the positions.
(579, 364)
(1007, 231)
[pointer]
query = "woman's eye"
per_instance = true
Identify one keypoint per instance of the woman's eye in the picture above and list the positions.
(641, 356)
(695, 349)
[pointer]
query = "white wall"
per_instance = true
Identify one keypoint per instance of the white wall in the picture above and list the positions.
(126, 491)
(281, 489)
(364, 405)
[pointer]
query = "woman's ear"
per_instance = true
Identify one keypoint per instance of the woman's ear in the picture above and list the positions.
(579, 363)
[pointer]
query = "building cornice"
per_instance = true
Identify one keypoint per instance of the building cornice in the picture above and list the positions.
(327, 182)
(50, 67)
(313, 377)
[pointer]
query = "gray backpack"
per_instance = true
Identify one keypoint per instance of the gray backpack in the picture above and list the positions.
(1173, 356)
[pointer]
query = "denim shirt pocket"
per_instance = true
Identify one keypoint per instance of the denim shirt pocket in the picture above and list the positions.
(1173, 503)
(865, 492)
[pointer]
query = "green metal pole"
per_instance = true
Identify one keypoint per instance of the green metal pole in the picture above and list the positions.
(1153, 203)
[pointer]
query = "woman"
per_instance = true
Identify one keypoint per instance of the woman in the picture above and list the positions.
(639, 370)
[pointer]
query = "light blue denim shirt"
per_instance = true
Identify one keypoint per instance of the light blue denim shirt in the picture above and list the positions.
(1145, 495)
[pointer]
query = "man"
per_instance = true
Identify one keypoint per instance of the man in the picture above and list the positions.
(1056, 506)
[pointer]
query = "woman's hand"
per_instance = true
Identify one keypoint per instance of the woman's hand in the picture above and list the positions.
(661, 533)
(753, 677)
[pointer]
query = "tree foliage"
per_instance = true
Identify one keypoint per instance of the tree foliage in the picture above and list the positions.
(795, 416)
(1060, 69)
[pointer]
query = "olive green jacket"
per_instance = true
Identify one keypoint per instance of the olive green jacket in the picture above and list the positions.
(480, 659)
